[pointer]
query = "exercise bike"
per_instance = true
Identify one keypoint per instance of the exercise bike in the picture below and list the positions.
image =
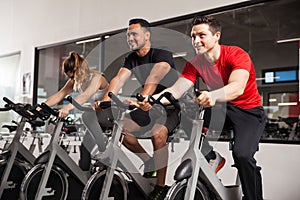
(121, 180)
(16, 159)
(194, 177)
(55, 174)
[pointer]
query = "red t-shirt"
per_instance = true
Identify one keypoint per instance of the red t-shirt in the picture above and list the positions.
(216, 75)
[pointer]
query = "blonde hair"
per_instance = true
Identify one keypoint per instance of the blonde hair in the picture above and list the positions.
(79, 66)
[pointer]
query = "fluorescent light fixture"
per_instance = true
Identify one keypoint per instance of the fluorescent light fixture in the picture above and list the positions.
(107, 36)
(288, 40)
(262, 78)
(272, 100)
(88, 40)
(287, 104)
(179, 54)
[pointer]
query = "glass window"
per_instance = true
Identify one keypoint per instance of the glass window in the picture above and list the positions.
(50, 75)
(268, 31)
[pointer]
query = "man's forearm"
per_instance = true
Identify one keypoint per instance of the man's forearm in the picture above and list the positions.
(113, 87)
(177, 90)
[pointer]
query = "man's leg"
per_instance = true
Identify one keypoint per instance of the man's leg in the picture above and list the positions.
(214, 158)
(159, 138)
(248, 126)
(161, 154)
(131, 142)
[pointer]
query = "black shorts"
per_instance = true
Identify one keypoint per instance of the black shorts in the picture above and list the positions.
(106, 119)
(168, 116)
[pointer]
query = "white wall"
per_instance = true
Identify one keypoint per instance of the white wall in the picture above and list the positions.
(33, 23)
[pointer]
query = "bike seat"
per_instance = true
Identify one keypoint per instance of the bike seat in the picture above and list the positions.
(37, 123)
(4, 154)
(10, 128)
(184, 171)
(69, 129)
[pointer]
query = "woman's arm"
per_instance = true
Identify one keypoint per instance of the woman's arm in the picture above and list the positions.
(97, 82)
(60, 95)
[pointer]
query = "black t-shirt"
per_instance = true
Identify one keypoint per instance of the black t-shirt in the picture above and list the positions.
(142, 66)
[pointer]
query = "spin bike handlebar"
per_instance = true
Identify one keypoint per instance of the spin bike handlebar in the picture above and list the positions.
(5, 108)
(152, 101)
(40, 113)
(49, 110)
(119, 103)
(166, 95)
(21, 109)
(103, 105)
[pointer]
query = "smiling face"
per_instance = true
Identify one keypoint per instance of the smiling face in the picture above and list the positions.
(137, 37)
(204, 41)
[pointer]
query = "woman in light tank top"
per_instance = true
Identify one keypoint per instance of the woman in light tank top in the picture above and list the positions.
(91, 85)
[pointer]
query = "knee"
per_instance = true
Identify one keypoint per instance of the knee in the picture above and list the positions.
(159, 139)
(129, 140)
(242, 155)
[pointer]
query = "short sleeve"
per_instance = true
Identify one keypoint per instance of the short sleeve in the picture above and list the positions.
(190, 72)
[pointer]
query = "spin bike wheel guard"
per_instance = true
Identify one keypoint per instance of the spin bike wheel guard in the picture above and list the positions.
(93, 188)
(177, 191)
(16, 176)
(57, 182)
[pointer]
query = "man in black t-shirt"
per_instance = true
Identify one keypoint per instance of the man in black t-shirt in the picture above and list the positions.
(154, 69)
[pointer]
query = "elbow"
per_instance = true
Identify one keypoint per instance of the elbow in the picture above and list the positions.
(233, 93)
(239, 92)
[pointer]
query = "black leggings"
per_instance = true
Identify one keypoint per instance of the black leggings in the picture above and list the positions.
(96, 123)
(248, 126)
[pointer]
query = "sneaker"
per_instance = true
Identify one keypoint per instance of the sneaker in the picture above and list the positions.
(159, 193)
(148, 169)
(217, 163)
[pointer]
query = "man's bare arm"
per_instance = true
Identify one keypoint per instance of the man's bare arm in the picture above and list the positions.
(117, 82)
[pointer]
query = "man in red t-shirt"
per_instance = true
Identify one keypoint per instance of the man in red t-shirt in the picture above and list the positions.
(230, 76)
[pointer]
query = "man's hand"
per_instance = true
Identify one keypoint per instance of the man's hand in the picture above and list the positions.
(144, 105)
(205, 99)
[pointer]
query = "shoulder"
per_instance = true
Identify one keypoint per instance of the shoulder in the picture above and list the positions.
(158, 51)
(232, 50)
(196, 60)
(162, 55)
(97, 75)
(131, 55)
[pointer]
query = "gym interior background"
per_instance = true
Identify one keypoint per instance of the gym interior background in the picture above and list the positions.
(36, 36)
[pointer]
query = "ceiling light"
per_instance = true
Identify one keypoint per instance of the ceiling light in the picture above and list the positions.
(288, 104)
(288, 40)
(88, 40)
(179, 54)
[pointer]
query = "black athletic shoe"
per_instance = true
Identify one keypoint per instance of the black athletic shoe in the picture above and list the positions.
(149, 171)
(159, 193)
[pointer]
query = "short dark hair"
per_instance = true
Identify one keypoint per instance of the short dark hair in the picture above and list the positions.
(144, 23)
(213, 23)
